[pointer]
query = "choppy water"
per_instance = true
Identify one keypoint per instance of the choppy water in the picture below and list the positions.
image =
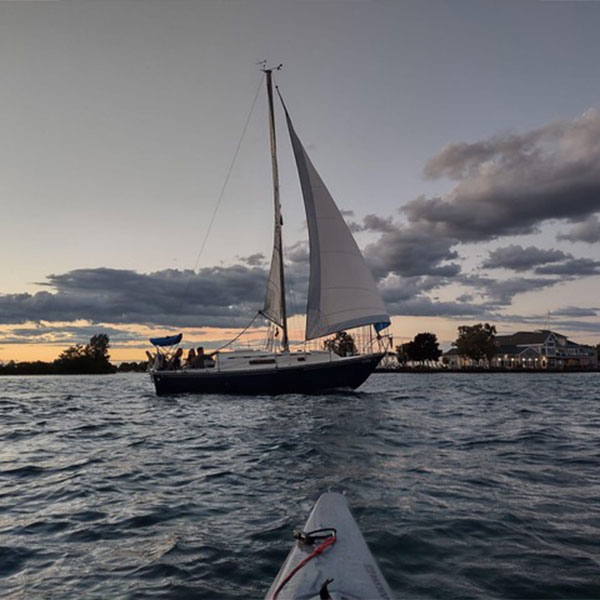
(465, 486)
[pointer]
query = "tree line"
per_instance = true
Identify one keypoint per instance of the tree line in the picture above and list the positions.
(476, 342)
(91, 359)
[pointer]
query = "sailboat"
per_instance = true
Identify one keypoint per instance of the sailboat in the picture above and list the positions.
(342, 295)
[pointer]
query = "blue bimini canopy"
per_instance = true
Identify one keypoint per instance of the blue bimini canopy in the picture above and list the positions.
(169, 340)
(380, 326)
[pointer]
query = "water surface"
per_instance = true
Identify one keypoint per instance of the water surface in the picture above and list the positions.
(465, 486)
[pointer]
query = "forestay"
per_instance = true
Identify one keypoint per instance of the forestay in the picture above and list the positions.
(342, 292)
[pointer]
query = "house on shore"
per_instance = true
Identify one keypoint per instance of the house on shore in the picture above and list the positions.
(540, 349)
(453, 360)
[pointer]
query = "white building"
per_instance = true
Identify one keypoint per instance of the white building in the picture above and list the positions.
(541, 349)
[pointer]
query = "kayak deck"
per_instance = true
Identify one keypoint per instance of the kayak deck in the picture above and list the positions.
(347, 563)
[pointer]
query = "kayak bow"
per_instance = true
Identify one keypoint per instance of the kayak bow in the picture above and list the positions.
(330, 559)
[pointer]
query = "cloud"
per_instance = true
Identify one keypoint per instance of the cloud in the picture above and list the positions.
(212, 297)
(373, 223)
(426, 307)
(582, 326)
(215, 296)
(404, 251)
(532, 322)
(575, 311)
(575, 267)
(297, 253)
(354, 227)
(65, 334)
(502, 292)
(254, 260)
(466, 298)
(400, 289)
(379, 224)
(586, 231)
(511, 184)
(409, 297)
(459, 160)
(517, 258)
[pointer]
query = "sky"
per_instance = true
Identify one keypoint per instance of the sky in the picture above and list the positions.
(460, 139)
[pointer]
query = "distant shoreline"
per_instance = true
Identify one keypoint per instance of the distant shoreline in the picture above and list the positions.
(410, 370)
(50, 369)
(421, 370)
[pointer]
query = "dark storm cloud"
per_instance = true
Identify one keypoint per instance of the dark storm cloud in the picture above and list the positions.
(216, 296)
(379, 224)
(586, 231)
(395, 289)
(575, 267)
(511, 184)
(502, 292)
(466, 298)
(517, 258)
(404, 251)
(410, 296)
(374, 223)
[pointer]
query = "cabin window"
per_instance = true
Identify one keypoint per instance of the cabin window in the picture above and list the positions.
(301, 359)
(262, 361)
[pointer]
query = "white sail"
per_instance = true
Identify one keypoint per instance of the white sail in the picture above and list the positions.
(273, 309)
(342, 292)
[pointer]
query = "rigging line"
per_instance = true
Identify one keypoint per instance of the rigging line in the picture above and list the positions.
(222, 193)
(235, 155)
(239, 334)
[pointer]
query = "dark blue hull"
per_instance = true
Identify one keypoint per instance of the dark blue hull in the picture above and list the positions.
(303, 379)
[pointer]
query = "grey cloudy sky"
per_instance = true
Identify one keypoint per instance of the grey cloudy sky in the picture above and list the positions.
(464, 137)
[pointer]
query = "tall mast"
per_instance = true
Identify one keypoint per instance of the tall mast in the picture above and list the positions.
(284, 339)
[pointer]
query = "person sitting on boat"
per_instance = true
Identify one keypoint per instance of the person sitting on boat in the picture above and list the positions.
(155, 361)
(175, 361)
(191, 358)
(151, 360)
(203, 360)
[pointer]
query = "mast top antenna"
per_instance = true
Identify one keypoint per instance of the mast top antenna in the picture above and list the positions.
(264, 69)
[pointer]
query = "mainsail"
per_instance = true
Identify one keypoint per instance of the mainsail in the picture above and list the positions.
(342, 292)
